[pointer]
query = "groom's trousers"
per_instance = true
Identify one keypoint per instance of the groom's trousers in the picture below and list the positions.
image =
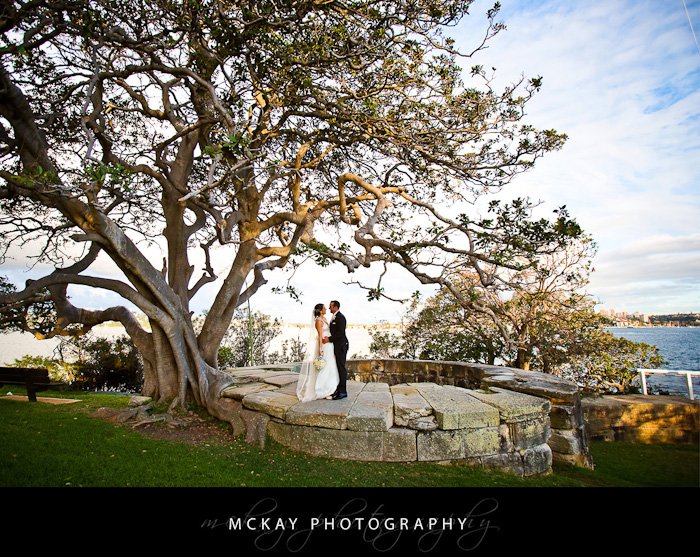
(341, 355)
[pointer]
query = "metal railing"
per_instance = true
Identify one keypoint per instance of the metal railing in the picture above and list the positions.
(688, 374)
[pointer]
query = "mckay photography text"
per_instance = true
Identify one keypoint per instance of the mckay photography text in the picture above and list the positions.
(269, 528)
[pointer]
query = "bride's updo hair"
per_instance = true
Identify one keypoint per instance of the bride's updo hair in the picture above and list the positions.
(317, 310)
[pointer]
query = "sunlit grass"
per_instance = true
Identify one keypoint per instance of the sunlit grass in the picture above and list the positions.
(45, 445)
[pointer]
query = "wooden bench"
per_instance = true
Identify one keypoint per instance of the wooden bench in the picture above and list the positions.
(34, 378)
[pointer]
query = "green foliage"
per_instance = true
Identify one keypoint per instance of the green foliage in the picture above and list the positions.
(439, 331)
(235, 348)
(293, 350)
(36, 315)
(290, 290)
(384, 343)
(115, 174)
(235, 144)
(105, 364)
(58, 370)
(564, 337)
(606, 363)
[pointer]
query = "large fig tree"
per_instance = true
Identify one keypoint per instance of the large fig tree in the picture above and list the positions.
(276, 129)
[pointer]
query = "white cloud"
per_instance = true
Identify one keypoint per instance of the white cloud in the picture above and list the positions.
(622, 79)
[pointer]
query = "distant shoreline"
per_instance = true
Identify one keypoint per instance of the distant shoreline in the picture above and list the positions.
(651, 327)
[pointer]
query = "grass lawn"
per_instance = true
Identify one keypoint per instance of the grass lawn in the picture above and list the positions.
(47, 445)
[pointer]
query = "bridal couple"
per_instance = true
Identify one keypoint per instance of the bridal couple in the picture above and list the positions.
(327, 340)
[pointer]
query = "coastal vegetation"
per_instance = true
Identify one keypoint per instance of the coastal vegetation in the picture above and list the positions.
(545, 321)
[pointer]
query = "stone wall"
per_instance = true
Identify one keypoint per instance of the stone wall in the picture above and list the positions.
(414, 421)
(643, 419)
(568, 440)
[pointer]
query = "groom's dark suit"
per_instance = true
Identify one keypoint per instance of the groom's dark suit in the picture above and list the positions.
(340, 348)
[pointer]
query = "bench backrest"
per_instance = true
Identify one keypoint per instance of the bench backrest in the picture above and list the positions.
(36, 374)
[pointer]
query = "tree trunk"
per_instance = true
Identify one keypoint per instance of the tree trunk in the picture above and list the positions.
(523, 359)
(161, 381)
(178, 373)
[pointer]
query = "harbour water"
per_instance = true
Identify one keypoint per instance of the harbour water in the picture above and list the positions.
(680, 348)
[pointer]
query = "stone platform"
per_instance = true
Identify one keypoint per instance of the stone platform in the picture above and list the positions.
(489, 426)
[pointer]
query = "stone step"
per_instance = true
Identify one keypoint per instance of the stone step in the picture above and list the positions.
(331, 414)
(454, 408)
(409, 404)
(282, 380)
(237, 392)
(289, 388)
(273, 403)
(512, 406)
(373, 409)
(255, 374)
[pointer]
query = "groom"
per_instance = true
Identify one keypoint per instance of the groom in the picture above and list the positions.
(340, 347)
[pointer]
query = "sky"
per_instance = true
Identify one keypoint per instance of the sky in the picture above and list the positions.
(622, 80)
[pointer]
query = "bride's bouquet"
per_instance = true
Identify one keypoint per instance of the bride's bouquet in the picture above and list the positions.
(319, 363)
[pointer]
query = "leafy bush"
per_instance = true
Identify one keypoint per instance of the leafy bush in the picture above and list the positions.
(58, 370)
(607, 363)
(105, 364)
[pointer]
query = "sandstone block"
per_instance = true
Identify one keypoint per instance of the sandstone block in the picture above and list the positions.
(440, 445)
(332, 443)
(508, 462)
(331, 414)
(480, 442)
(425, 423)
(505, 439)
(282, 379)
(237, 392)
(565, 441)
(529, 433)
(409, 404)
(512, 406)
(399, 445)
(139, 400)
(537, 460)
(457, 444)
(373, 410)
(557, 390)
(562, 417)
(289, 389)
(271, 402)
(454, 408)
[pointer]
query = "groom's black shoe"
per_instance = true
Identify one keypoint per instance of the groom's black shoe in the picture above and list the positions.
(338, 396)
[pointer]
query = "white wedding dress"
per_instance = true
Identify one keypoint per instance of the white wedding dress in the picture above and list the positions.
(318, 383)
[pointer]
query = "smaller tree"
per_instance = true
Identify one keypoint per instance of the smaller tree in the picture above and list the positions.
(606, 363)
(384, 343)
(103, 363)
(445, 330)
(256, 330)
(293, 351)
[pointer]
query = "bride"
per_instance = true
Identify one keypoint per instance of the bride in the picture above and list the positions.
(318, 383)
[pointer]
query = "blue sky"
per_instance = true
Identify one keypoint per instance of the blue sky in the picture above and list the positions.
(622, 79)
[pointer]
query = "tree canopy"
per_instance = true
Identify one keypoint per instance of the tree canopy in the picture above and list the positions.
(278, 130)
